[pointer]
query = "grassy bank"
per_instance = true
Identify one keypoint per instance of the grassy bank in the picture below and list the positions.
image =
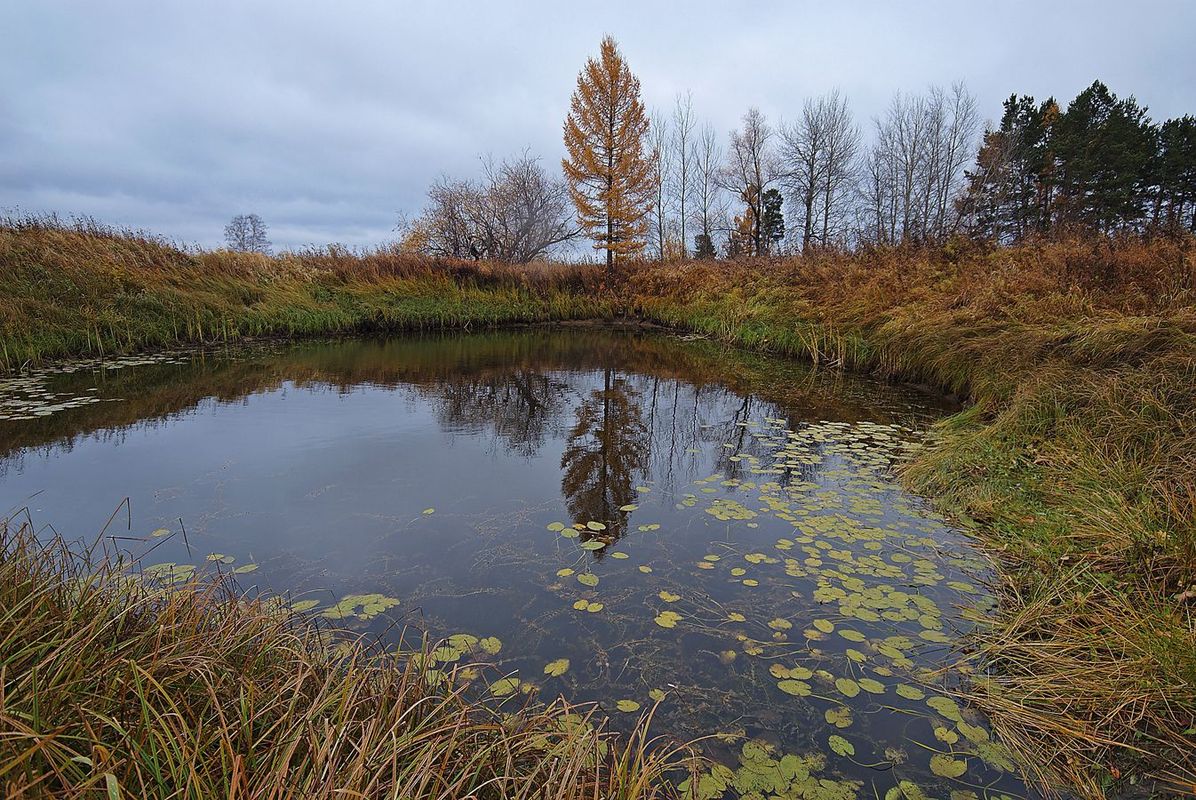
(1074, 463)
(122, 688)
(92, 291)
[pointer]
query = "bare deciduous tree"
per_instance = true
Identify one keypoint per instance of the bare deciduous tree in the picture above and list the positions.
(708, 191)
(752, 168)
(516, 212)
(914, 171)
(247, 233)
(683, 172)
(660, 146)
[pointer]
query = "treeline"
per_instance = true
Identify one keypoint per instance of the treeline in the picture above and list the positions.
(664, 185)
(1100, 164)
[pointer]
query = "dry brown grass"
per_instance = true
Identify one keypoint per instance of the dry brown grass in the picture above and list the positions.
(117, 686)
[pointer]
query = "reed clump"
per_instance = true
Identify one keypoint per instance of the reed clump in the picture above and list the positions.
(115, 686)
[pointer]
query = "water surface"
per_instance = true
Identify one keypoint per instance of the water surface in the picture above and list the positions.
(624, 518)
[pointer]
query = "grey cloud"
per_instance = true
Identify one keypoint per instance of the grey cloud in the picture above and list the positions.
(328, 118)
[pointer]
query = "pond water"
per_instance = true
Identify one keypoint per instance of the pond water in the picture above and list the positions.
(627, 518)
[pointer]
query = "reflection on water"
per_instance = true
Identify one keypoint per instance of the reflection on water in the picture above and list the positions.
(622, 518)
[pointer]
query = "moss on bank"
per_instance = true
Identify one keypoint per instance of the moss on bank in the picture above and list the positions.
(1073, 464)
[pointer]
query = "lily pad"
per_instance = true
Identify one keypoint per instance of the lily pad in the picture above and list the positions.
(947, 767)
(668, 619)
(840, 746)
(557, 668)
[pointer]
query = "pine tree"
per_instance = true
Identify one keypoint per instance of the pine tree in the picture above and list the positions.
(609, 174)
(1175, 175)
(1105, 149)
(772, 222)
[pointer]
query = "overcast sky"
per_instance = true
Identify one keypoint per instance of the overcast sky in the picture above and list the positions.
(328, 118)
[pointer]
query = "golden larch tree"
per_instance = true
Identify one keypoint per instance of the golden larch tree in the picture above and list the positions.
(609, 174)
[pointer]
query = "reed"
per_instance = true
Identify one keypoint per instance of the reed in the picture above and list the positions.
(118, 686)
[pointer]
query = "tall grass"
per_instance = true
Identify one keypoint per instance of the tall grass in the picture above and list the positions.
(115, 686)
(1074, 462)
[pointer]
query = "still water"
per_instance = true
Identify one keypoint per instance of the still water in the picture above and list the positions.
(626, 518)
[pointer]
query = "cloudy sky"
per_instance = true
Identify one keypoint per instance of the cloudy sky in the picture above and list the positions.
(328, 118)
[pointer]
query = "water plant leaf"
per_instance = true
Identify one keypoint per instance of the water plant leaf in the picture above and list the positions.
(735, 616)
(304, 605)
(619, 554)
(565, 572)
(945, 735)
(557, 668)
(871, 685)
(628, 507)
(947, 707)
(840, 746)
(593, 544)
(596, 526)
(839, 716)
(504, 687)
(491, 645)
(587, 579)
(847, 687)
(797, 688)
(667, 619)
(656, 694)
(627, 706)
(427, 511)
(947, 767)
(556, 527)
(910, 692)
(668, 596)
(245, 568)
(644, 568)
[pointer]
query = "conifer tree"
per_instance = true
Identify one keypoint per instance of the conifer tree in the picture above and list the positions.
(609, 174)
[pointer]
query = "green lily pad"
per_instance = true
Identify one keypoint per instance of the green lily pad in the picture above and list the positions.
(557, 668)
(668, 619)
(947, 767)
(840, 746)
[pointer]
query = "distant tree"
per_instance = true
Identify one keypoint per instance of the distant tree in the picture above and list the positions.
(609, 174)
(682, 142)
(752, 168)
(247, 233)
(660, 177)
(1175, 175)
(703, 246)
(1009, 188)
(709, 197)
(914, 172)
(1105, 150)
(515, 213)
(772, 222)
(820, 151)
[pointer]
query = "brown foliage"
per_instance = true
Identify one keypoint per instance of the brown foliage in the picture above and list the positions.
(610, 177)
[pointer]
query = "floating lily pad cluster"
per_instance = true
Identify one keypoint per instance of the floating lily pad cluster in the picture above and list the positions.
(29, 396)
(841, 608)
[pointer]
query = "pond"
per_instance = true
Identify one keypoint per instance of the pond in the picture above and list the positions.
(628, 518)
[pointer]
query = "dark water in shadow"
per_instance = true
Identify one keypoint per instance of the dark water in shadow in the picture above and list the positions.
(616, 517)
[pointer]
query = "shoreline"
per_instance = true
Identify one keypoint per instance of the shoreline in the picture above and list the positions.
(1058, 476)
